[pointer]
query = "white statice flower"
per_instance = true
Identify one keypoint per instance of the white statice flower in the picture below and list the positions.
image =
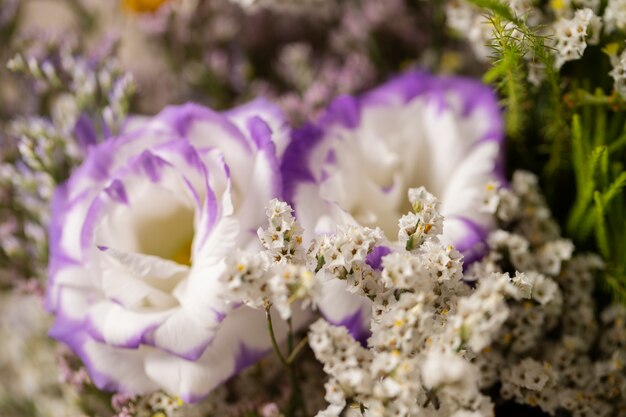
(524, 283)
(491, 198)
(436, 342)
(521, 8)
(536, 72)
(618, 72)
(500, 201)
(246, 278)
(544, 290)
(591, 4)
(344, 264)
(531, 375)
(345, 252)
(614, 16)
(513, 246)
(441, 263)
(291, 283)
(480, 316)
(397, 390)
(251, 278)
(402, 271)
(336, 399)
(535, 286)
(551, 255)
(467, 413)
(571, 36)
(423, 222)
(446, 371)
(283, 236)
(467, 20)
(343, 357)
(404, 327)
(531, 382)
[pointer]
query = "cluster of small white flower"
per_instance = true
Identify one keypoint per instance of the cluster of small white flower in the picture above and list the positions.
(423, 222)
(437, 344)
(552, 352)
(615, 16)
(443, 334)
(568, 25)
(414, 361)
(344, 255)
(618, 73)
(572, 35)
(278, 275)
(283, 237)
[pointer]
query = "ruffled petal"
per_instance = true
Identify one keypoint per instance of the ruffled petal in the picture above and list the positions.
(117, 326)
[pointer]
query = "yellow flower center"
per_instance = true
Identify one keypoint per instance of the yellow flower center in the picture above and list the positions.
(183, 255)
(143, 6)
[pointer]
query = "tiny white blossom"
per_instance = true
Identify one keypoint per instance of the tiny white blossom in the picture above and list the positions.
(481, 315)
(283, 236)
(615, 15)
(290, 283)
(571, 36)
(447, 371)
(423, 222)
(344, 255)
(552, 254)
(618, 73)
(246, 279)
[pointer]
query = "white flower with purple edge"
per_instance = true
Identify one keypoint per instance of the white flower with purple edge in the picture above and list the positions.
(139, 238)
(357, 163)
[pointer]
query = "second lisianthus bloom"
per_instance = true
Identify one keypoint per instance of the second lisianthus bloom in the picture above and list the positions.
(357, 163)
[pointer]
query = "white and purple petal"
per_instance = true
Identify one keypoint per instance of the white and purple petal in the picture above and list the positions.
(139, 237)
(358, 161)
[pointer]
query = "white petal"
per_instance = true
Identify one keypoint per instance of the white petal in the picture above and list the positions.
(181, 335)
(242, 338)
(115, 369)
(121, 327)
(337, 304)
(146, 266)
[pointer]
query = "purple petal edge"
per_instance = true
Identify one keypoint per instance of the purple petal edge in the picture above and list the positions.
(375, 258)
(356, 325)
(346, 111)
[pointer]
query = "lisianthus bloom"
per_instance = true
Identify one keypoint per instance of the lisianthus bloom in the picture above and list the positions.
(139, 239)
(357, 163)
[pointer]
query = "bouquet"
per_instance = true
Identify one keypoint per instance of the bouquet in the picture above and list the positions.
(293, 208)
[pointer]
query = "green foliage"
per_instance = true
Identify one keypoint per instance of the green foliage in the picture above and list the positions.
(571, 129)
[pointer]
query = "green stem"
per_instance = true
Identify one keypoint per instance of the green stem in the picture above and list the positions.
(296, 350)
(270, 327)
(296, 398)
(289, 336)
